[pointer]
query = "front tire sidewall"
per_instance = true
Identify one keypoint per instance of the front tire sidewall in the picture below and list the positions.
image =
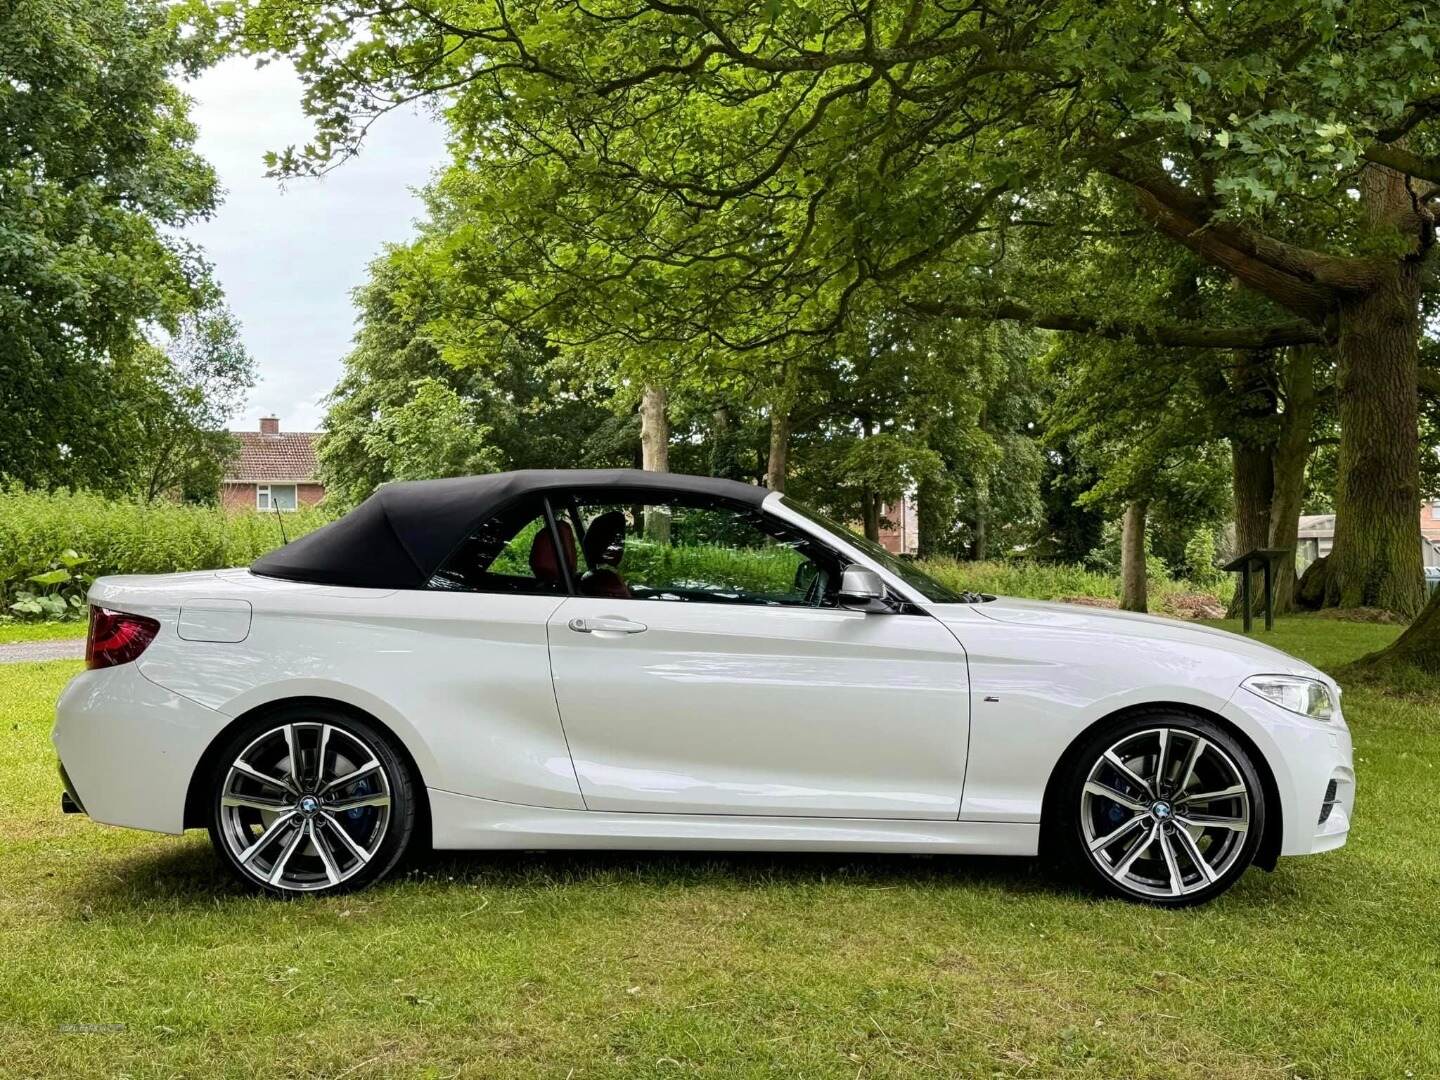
(403, 803)
(1068, 837)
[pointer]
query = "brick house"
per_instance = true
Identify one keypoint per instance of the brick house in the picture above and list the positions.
(900, 526)
(272, 471)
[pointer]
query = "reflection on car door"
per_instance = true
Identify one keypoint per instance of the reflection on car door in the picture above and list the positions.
(718, 708)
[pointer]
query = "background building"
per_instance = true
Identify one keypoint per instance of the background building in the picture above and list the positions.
(273, 470)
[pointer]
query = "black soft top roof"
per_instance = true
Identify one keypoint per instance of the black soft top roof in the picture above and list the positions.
(397, 538)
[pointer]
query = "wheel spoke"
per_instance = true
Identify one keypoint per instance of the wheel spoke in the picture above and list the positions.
(1205, 821)
(379, 799)
(1213, 796)
(1130, 774)
(1141, 846)
(1187, 773)
(322, 847)
(294, 756)
(350, 777)
(278, 870)
(268, 835)
(1109, 838)
(345, 838)
(254, 802)
(1164, 736)
(1094, 787)
(1192, 851)
(1177, 883)
(264, 778)
(325, 730)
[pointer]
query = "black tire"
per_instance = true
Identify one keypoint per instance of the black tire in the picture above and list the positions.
(377, 834)
(1081, 817)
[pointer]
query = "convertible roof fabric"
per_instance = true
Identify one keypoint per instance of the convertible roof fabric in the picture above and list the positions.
(398, 538)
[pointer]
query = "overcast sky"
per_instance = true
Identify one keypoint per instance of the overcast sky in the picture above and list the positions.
(289, 256)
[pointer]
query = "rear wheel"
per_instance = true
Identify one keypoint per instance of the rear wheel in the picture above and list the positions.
(1163, 807)
(311, 800)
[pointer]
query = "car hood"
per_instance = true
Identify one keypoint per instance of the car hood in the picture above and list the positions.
(1111, 624)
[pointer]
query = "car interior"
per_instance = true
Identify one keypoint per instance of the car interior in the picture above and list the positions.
(713, 552)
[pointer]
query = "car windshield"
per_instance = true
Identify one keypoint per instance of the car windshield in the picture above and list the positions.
(905, 570)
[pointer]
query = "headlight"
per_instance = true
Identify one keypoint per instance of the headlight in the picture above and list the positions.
(1308, 697)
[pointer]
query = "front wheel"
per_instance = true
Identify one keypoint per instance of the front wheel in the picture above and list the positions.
(311, 800)
(1163, 807)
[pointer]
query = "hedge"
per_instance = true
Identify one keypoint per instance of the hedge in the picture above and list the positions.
(118, 537)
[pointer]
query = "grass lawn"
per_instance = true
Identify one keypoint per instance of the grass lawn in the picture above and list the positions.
(637, 965)
(11, 632)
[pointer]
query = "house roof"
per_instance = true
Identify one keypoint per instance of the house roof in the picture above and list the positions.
(286, 457)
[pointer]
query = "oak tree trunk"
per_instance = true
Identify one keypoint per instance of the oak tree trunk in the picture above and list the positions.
(779, 462)
(1291, 456)
(1132, 556)
(978, 536)
(1376, 560)
(655, 455)
(870, 511)
(1253, 479)
(1417, 649)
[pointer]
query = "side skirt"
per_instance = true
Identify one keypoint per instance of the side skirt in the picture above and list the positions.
(464, 823)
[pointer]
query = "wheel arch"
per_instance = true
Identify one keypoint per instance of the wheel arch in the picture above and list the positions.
(1266, 855)
(195, 791)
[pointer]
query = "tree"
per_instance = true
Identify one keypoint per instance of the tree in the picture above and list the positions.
(173, 405)
(97, 172)
(499, 404)
(747, 175)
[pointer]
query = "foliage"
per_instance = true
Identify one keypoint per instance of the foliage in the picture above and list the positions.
(175, 405)
(401, 410)
(1062, 581)
(86, 535)
(97, 175)
(54, 593)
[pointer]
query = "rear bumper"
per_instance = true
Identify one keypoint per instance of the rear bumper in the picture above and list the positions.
(128, 748)
(1305, 756)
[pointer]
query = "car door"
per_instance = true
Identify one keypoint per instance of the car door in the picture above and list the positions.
(721, 676)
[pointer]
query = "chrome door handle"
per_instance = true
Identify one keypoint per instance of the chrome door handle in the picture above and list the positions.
(607, 624)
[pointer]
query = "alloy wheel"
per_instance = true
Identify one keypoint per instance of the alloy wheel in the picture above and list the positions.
(1164, 812)
(305, 806)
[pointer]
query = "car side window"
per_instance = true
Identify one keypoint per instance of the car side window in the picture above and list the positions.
(698, 550)
(512, 552)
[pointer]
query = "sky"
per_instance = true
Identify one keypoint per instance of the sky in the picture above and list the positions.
(288, 256)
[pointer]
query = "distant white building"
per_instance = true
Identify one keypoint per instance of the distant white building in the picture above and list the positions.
(1317, 536)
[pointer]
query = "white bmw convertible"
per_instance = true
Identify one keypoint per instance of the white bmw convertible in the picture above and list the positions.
(618, 659)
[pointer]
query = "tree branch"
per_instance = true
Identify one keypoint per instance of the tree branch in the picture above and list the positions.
(1164, 335)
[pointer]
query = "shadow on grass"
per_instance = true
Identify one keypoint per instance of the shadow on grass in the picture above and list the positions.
(188, 875)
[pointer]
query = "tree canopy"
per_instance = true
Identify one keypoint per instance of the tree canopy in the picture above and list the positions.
(97, 171)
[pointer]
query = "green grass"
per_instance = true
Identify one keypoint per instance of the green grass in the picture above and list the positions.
(11, 632)
(632, 965)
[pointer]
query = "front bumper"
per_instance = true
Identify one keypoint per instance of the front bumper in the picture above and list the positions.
(128, 748)
(1306, 756)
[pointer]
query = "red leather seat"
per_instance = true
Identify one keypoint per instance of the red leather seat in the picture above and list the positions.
(544, 563)
(604, 548)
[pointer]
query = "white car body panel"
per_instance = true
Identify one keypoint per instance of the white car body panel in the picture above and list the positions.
(771, 710)
(719, 726)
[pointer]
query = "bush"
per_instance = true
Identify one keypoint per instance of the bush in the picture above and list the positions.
(1059, 581)
(42, 531)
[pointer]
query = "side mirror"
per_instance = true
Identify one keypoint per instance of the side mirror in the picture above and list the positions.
(862, 590)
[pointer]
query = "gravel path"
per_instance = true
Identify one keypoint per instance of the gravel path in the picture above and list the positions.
(24, 652)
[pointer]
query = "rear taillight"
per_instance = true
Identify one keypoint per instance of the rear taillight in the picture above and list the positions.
(117, 637)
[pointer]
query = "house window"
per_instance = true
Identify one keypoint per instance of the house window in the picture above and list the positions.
(274, 497)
